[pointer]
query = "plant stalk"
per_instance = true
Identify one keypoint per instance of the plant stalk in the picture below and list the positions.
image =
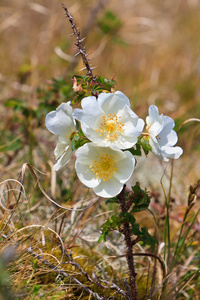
(129, 254)
(78, 43)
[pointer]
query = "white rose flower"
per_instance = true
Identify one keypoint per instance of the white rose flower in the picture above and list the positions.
(109, 120)
(61, 123)
(103, 168)
(162, 137)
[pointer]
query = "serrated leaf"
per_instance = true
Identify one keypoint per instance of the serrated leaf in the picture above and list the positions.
(148, 239)
(136, 209)
(135, 229)
(130, 218)
(136, 189)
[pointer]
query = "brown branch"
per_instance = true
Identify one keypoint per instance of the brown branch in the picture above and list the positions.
(72, 262)
(115, 287)
(129, 253)
(135, 241)
(145, 254)
(78, 43)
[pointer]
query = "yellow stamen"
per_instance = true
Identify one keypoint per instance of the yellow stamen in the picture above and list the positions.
(111, 128)
(104, 166)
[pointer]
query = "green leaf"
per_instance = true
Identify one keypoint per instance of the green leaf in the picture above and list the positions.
(136, 151)
(145, 145)
(109, 23)
(140, 198)
(130, 218)
(138, 209)
(78, 140)
(36, 289)
(112, 200)
(136, 188)
(12, 144)
(148, 239)
(73, 145)
(16, 103)
(136, 229)
(102, 238)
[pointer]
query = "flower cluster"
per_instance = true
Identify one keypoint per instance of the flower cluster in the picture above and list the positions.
(112, 129)
(162, 137)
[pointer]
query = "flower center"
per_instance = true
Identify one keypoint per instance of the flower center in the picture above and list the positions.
(111, 128)
(104, 166)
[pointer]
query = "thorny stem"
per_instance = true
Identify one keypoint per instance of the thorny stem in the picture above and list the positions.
(129, 254)
(81, 48)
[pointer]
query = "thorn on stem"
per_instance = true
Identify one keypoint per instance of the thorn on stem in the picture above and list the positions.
(78, 43)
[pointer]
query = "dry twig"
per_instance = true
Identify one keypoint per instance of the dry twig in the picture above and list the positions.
(78, 43)
(129, 255)
(51, 266)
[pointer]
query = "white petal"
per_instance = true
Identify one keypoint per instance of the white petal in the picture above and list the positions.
(165, 152)
(128, 141)
(167, 139)
(112, 150)
(126, 113)
(99, 148)
(156, 148)
(66, 107)
(167, 136)
(59, 123)
(124, 142)
(63, 160)
(91, 134)
(62, 145)
(125, 167)
(155, 122)
(172, 152)
(133, 125)
(113, 102)
(87, 101)
(87, 153)
(169, 122)
(108, 189)
(91, 112)
(123, 97)
(85, 175)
